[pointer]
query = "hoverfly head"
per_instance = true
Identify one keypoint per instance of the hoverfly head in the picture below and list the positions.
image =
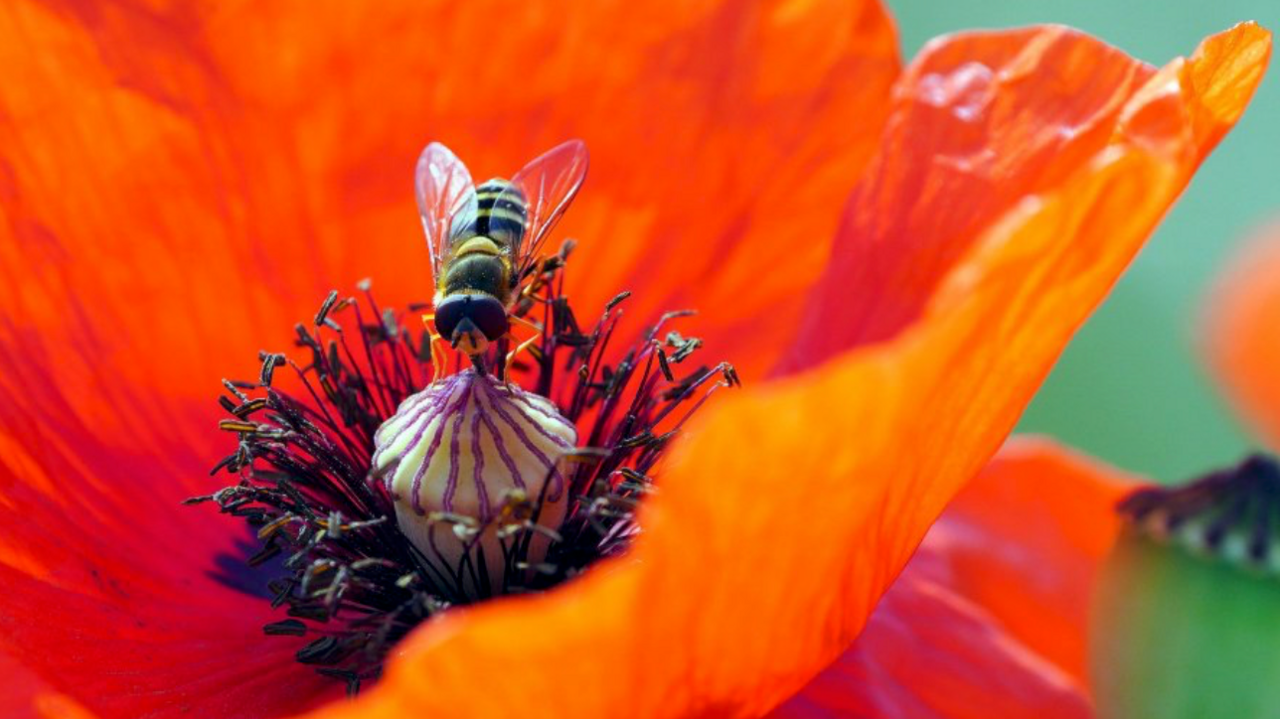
(470, 322)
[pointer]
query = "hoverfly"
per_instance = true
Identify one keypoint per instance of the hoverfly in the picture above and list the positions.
(484, 241)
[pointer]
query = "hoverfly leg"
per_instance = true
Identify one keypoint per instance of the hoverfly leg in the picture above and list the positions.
(538, 330)
(539, 280)
(522, 347)
(527, 323)
(437, 354)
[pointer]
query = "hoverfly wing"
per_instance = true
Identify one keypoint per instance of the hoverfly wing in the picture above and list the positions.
(446, 196)
(549, 184)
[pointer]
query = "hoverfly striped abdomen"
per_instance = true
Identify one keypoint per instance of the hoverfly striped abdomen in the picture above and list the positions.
(484, 237)
(501, 212)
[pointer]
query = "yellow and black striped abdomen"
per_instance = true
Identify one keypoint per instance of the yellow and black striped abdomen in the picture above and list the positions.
(500, 214)
(484, 242)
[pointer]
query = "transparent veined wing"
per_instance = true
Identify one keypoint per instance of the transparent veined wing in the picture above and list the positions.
(549, 184)
(446, 195)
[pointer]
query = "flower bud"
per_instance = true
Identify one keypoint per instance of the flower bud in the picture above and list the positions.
(1186, 618)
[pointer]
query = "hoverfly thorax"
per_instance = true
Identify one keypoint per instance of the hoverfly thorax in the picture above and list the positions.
(485, 239)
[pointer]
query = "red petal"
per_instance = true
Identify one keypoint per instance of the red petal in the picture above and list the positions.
(245, 173)
(983, 123)
(19, 690)
(720, 154)
(990, 616)
(1024, 541)
(110, 588)
(929, 653)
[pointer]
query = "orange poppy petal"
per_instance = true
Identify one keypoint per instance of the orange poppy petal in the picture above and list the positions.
(1025, 541)
(128, 249)
(118, 597)
(978, 126)
(1239, 333)
(142, 250)
(206, 175)
(792, 506)
(720, 155)
(990, 616)
(930, 653)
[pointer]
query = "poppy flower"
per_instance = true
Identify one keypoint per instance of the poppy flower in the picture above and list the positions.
(180, 184)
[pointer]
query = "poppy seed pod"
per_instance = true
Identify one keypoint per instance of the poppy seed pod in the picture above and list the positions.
(458, 459)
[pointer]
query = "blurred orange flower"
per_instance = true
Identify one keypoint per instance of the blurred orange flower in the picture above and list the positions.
(1239, 333)
(181, 183)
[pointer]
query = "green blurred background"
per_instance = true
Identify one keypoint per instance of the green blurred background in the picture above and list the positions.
(1130, 389)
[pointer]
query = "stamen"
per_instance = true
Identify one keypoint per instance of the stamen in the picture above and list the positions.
(384, 498)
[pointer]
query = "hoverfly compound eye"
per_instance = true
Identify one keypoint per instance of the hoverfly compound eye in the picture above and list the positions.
(484, 311)
(490, 316)
(449, 314)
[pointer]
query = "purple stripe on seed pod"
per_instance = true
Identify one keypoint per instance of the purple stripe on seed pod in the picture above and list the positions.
(419, 429)
(402, 424)
(553, 416)
(520, 433)
(455, 452)
(493, 392)
(432, 402)
(416, 487)
(547, 462)
(498, 442)
(409, 405)
(482, 494)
